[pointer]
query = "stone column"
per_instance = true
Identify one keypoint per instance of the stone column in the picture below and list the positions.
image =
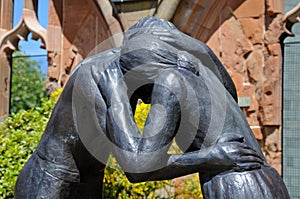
(6, 10)
(5, 71)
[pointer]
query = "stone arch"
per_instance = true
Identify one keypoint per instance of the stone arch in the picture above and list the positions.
(9, 39)
(27, 24)
(290, 18)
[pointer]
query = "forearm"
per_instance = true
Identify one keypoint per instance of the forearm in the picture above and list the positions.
(146, 152)
(138, 154)
(177, 165)
(230, 153)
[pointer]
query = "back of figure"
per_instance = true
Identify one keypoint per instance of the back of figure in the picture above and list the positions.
(62, 166)
(219, 115)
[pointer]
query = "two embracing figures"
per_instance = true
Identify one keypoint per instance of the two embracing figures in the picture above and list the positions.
(193, 100)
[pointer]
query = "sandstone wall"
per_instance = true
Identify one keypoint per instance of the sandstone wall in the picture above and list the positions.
(244, 34)
(247, 43)
(75, 28)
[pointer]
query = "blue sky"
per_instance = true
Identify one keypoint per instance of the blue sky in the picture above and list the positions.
(32, 47)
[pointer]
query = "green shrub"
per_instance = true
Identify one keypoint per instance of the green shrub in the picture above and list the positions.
(27, 83)
(19, 136)
(21, 132)
(116, 185)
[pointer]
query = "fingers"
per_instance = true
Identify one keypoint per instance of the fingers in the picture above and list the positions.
(166, 39)
(249, 152)
(162, 33)
(247, 167)
(164, 36)
(244, 148)
(241, 149)
(231, 137)
(235, 148)
(242, 152)
(250, 159)
(249, 162)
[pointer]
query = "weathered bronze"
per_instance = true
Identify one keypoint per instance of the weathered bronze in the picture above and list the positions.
(193, 100)
(196, 100)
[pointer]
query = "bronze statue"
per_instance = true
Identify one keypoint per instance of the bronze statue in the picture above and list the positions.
(186, 76)
(193, 99)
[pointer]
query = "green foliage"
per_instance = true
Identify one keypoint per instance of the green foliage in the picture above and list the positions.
(28, 83)
(21, 132)
(188, 187)
(116, 185)
(19, 136)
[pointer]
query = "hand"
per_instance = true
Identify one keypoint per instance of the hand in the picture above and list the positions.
(185, 46)
(231, 152)
(177, 39)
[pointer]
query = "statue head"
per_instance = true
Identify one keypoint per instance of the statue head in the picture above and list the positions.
(148, 24)
(145, 52)
(143, 56)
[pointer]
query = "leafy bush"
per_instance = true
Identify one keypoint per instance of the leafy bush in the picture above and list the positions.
(116, 185)
(21, 132)
(28, 82)
(19, 136)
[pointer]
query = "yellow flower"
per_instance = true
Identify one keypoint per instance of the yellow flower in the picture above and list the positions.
(141, 114)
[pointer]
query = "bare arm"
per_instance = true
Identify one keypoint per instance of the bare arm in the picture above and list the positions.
(134, 152)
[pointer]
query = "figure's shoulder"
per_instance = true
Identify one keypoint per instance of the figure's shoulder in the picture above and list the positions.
(105, 56)
(100, 60)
